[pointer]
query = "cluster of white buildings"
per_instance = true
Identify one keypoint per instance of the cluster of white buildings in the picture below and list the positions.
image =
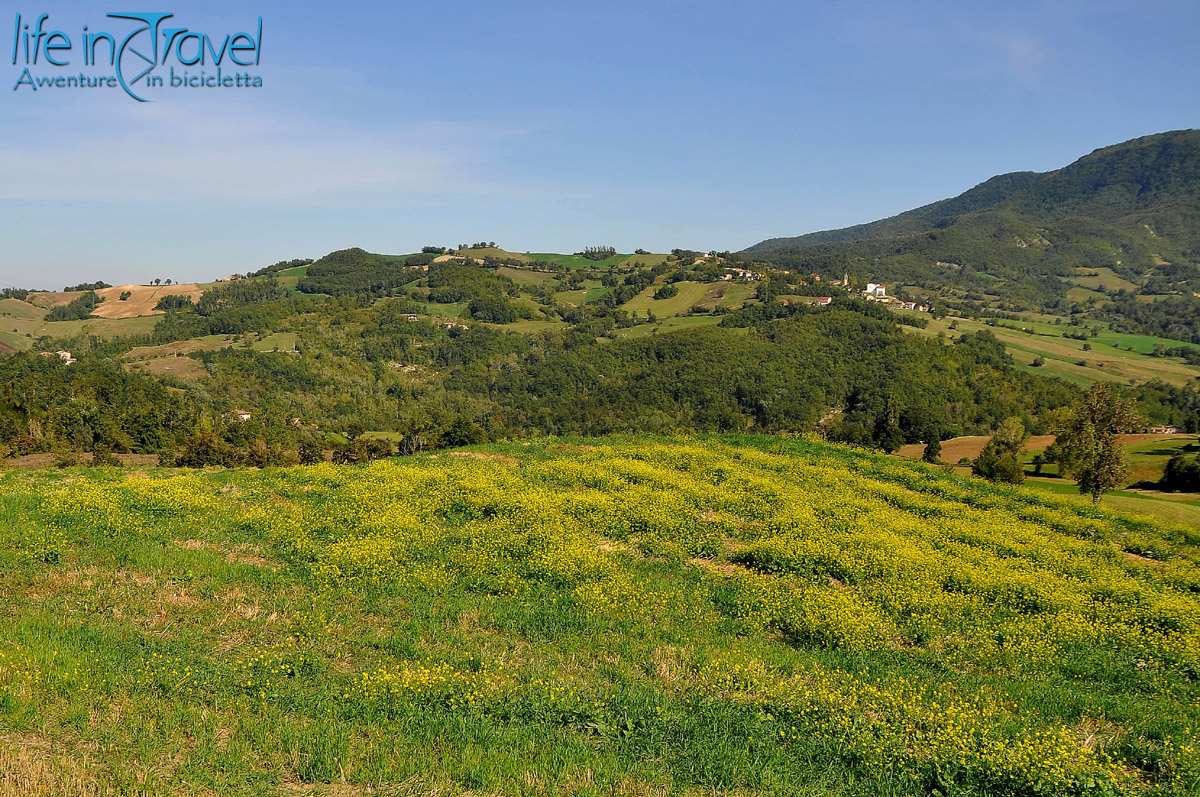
(735, 273)
(65, 356)
(876, 292)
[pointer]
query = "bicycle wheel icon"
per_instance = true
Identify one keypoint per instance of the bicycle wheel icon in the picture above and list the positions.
(138, 54)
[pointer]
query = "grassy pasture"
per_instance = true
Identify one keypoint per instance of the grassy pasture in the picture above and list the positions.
(1101, 279)
(1108, 359)
(524, 276)
(23, 311)
(578, 261)
(690, 294)
(671, 324)
(184, 368)
(446, 311)
(278, 341)
(106, 328)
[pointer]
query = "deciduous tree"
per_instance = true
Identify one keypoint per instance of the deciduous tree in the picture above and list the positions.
(1089, 442)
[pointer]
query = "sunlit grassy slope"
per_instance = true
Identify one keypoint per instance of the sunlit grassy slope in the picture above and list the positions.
(618, 616)
(1109, 357)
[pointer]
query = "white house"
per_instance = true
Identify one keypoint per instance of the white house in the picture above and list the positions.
(876, 290)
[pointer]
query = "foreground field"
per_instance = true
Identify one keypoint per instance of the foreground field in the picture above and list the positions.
(749, 615)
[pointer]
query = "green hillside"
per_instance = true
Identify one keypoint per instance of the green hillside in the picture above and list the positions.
(650, 616)
(1028, 241)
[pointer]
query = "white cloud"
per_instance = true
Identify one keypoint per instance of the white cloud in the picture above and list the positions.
(239, 153)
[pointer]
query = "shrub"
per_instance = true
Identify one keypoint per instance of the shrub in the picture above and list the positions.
(1181, 476)
(174, 301)
(68, 459)
(311, 453)
(203, 449)
(103, 457)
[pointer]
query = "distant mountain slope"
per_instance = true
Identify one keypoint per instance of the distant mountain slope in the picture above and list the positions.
(1022, 238)
(1114, 184)
(936, 214)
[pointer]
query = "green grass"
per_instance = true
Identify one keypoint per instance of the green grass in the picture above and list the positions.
(580, 262)
(591, 617)
(1109, 358)
(1105, 280)
(490, 251)
(290, 278)
(21, 319)
(15, 340)
(572, 298)
(595, 292)
(738, 294)
(1157, 507)
(690, 294)
(279, 341)
(531, 325)
(524, 276)
(22, 311)
(391, 437)
(448, 310)
(106, 328)
(1147, 460)
(672, 324)
(1084, 295)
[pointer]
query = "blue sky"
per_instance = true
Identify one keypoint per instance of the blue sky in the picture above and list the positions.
(550, 126)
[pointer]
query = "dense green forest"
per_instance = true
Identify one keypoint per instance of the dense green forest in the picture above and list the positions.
(362, 364)
(1175, 317)
(47, 406)
(350, 271)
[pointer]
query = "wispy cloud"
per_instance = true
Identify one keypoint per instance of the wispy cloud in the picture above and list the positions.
(1020, 56)
(238, 153)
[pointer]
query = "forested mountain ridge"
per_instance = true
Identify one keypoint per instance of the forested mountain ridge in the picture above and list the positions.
(938, 214)
(1023, 240)
(1118, 184)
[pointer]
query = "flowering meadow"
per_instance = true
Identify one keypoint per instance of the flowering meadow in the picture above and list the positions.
(635, 616)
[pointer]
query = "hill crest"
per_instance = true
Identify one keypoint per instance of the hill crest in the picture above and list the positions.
(1109, 184)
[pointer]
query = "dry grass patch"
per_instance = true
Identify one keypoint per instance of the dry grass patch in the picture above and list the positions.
(141, 299)
(29, 765)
